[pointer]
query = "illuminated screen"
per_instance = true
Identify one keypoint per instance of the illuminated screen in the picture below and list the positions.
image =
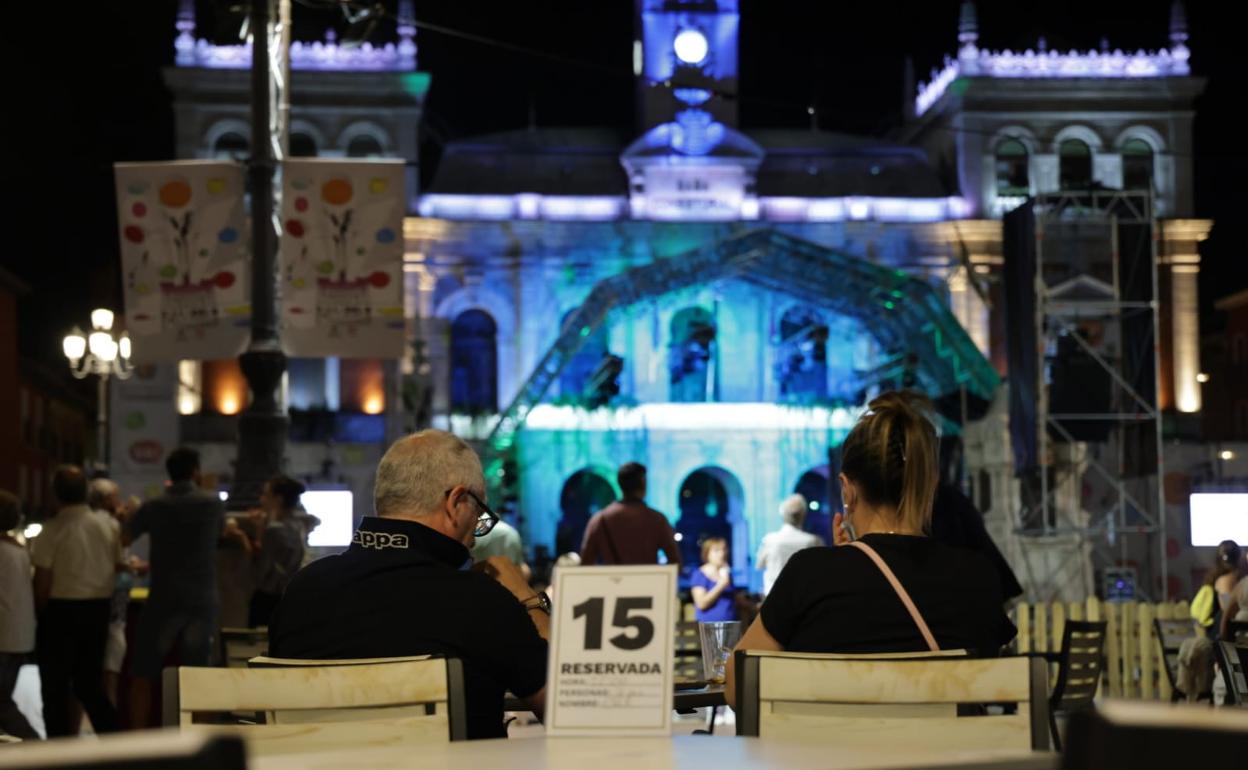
(1219, 516)
(335, 509)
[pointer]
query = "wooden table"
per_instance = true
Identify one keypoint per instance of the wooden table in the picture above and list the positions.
(683, 752)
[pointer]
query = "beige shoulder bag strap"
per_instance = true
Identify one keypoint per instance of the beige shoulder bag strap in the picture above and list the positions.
(901, 593)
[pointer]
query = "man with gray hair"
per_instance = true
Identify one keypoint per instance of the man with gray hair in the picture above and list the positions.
(407, 585)
(779, 546)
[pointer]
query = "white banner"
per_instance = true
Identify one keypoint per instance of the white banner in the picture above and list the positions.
(184, 259)
(143, 428)
(342, 258)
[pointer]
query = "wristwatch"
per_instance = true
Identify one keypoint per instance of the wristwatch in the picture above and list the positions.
(538, 601)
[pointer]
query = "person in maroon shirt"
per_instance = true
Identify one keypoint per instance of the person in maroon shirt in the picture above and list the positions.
(628, 531)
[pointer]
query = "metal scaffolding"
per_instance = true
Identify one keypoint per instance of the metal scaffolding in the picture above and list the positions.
(902, 312)
(1100, 462)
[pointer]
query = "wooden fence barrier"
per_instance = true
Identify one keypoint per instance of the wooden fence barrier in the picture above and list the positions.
(1134, 667)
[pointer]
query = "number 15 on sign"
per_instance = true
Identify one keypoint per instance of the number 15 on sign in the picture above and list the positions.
(611, 651)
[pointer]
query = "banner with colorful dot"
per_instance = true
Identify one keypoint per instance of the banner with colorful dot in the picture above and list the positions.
(184, 259)
(342, 258)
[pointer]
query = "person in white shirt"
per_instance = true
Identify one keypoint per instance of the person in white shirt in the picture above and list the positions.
(779, 546)
(104, 495)
(17, 618)
(76, 558)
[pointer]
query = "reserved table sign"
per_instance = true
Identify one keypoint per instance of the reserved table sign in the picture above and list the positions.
(612, 644)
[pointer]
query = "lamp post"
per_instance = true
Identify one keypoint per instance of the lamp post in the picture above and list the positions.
(262, 425)
(105, 355)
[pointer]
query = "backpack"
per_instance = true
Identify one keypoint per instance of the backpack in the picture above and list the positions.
(1204, 606)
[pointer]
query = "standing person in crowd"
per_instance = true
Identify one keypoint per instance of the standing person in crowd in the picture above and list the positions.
(714, 595)
(628, 531)
(1236, 609)
(779, 546)
(402, 587)
(842, 600)
(1208, 610)
(17, 617)
(76, 557)
(282, 545)
(957, 522)
(1215, 596)
(184, 525)
(104, 496)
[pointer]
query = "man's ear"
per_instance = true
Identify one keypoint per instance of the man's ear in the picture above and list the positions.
(451, 503)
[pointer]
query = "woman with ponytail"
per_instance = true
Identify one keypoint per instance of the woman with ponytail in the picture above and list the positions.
(885, 586)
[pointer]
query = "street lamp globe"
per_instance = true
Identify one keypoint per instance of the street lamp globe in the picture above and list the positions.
(102, 319)
(105, 355)
(101, 346)
(74, 345)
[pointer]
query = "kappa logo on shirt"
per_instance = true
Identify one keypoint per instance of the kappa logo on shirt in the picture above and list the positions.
(378, 540)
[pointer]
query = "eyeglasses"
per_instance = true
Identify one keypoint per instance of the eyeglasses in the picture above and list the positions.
(486, 520)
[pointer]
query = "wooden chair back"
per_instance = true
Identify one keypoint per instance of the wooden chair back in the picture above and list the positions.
(309, 708)
(901, 701)
(1170, 636)
(1234, 671)
(688, 662)
(1079, 665)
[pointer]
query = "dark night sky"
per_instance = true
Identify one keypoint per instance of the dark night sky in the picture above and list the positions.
(97, 97)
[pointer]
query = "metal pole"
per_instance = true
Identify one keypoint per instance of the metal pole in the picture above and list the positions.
(1157, 422)
(262, 426)
(1042, 396)
(101, 422)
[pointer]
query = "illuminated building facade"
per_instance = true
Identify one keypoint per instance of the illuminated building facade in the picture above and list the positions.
(705, 354)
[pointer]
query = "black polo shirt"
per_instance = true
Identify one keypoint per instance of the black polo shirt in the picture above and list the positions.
(400, 590)
(837, 600)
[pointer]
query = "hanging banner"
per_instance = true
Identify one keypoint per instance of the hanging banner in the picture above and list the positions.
(183, 258)
(342, 258)
(143, 428)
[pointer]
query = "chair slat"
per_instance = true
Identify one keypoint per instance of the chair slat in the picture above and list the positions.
(900, 681)
(311, 687)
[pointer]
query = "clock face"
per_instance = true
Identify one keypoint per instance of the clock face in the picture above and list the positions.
(691, 46)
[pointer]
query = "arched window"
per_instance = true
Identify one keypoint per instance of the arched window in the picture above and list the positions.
(302, 146)
(1137, 165)
(363, 146)
(578, 373)
(703, 514)
(307, 384)
(584, 493)
(803, 349)
(816, 487)
(230, 146)
(691, 356)
(474, 363)
(1075, 165)
(1011, 165)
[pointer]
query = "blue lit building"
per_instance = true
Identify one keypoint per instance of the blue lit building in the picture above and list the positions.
(717, 302)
